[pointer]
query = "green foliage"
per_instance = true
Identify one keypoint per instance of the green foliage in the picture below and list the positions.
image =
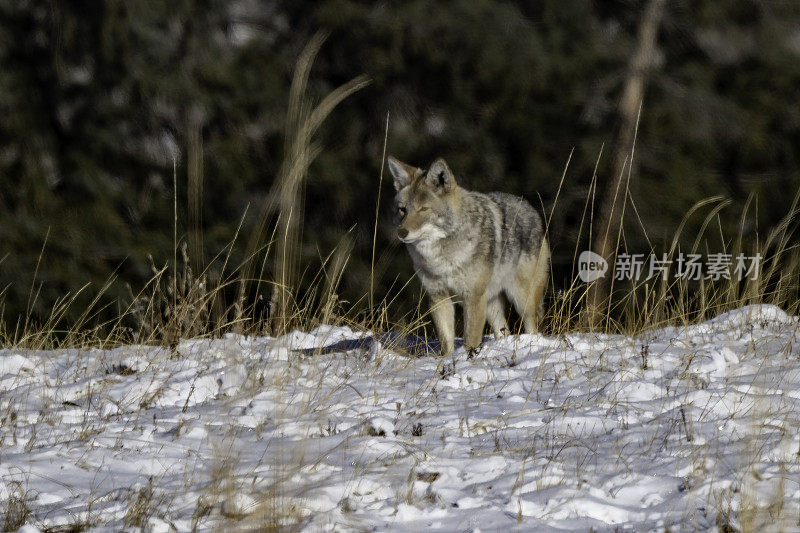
(104, 104)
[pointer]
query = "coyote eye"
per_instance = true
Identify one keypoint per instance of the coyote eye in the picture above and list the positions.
(423, 208)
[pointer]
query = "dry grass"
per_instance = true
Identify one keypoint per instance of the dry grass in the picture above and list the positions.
(635, 306)
(16, 512)
(182, 301)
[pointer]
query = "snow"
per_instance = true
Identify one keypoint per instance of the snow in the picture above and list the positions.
(687, 428)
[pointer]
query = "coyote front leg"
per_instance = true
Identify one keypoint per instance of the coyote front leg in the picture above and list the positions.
(444, 320)
(495, 315)
(474, 320)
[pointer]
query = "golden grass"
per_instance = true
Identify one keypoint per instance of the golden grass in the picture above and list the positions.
(181, 300)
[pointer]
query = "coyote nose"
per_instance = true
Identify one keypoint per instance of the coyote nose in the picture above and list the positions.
(402, 233)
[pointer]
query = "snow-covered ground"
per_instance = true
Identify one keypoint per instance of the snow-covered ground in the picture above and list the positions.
(682, 428)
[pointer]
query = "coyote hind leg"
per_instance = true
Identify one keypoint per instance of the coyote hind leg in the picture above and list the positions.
(527, 292)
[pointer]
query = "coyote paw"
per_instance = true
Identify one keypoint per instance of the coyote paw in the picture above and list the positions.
(472, 352)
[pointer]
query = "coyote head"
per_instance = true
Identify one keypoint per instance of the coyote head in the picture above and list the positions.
(424, 206)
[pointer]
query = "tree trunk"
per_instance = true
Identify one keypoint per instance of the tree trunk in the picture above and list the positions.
(606, 236)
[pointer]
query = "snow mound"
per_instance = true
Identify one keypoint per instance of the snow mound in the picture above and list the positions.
(681, 428)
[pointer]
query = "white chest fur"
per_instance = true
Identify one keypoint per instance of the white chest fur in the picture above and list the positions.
(443, 267)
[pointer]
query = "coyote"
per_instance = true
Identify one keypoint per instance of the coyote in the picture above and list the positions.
(478, 248)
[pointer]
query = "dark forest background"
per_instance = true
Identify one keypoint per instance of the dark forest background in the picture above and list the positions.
(104, 104)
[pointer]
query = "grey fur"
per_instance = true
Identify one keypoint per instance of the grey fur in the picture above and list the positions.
(474, 247)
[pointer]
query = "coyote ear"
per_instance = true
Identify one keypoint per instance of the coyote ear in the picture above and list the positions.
(440, 178)
(400, 172)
